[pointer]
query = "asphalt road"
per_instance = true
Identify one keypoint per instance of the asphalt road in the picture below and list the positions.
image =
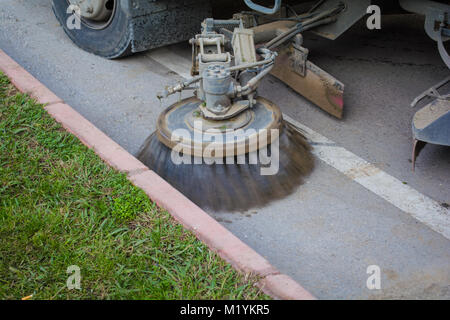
(331, 229)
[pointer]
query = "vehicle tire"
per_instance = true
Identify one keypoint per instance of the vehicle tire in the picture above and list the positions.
(110, 38)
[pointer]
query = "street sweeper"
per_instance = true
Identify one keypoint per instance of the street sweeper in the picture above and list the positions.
(230, 57)
(226, 147)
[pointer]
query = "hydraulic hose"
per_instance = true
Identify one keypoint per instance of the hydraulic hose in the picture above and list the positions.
(295, 30)
(268, 55)
(179, 87)
(263, 9)
(321, 18)
(253, 82)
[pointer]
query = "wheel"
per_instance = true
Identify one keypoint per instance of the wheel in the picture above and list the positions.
(101, 27)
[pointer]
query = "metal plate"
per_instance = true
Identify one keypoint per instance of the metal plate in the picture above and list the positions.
(432, 123)
(176, 128)
(317, 85)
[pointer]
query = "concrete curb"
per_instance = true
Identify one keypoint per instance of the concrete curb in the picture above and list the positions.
(214, 235)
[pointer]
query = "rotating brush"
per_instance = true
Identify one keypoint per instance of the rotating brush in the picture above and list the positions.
(226, 148)
(233, 187)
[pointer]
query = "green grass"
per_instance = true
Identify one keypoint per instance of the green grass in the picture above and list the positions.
(60, 205)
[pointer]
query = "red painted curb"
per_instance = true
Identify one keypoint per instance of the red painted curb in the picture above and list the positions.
(25, 82)
(284, 287)
(208, 230)
(91, 136)
(219, 239)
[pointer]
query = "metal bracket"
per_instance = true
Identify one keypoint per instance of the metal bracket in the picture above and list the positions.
(432, 92)
(207, 49)
(316, 85)
(299, 58)
(248, 20)
(235, 109)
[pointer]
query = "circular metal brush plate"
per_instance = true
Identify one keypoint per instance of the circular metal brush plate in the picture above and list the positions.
(182, 127)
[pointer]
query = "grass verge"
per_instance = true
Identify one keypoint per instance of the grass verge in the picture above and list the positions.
(60, 206)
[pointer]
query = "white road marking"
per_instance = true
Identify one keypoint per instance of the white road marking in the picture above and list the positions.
(402, 196)
(391, 189)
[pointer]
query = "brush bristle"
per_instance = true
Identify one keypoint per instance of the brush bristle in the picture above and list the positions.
(233, 187)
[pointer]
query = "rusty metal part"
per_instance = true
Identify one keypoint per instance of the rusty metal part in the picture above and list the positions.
(304, 77)
(315, 85)
(299, 59)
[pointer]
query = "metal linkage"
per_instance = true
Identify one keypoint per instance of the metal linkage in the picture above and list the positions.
(227, 86)
(313, 20)
(432, 92)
